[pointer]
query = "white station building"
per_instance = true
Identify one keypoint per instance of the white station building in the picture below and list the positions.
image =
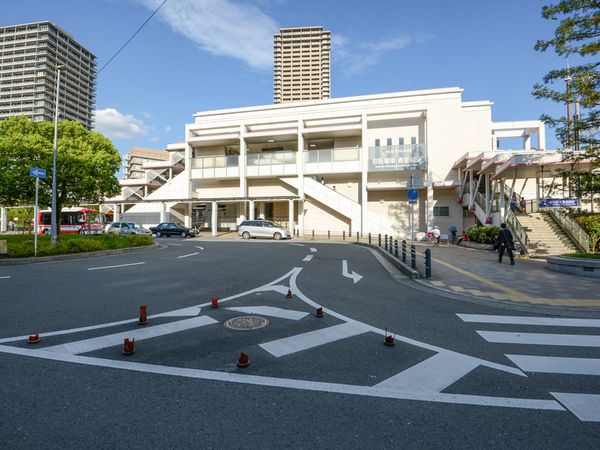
(342, 165)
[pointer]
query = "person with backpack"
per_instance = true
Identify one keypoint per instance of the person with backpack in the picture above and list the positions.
(506, 243)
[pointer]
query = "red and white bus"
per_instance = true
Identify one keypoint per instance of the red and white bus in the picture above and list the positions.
(74, 220)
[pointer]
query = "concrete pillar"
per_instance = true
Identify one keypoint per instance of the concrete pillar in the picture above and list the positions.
(261, 210)
(527, 142)
(291, 214)
(502, 202)
(188, 164)
(429, 201)
(163, 212)
(300, 166)
(251, 213)
(542, 137)
(215, 218)
(187, 218)
(243, 179)
(3, 221)
(364, 158)
(115, 213)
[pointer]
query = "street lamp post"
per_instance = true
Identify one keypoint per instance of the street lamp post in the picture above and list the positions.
(53, 227)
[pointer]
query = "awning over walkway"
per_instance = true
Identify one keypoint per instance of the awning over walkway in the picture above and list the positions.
(539, 164)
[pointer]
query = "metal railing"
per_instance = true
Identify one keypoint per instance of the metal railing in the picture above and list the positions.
(518, 231)
(572, 228)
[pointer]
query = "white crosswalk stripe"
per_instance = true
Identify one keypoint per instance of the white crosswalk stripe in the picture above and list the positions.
(585, 406)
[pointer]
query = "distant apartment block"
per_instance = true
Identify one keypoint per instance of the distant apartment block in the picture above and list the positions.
(29, 57)
(302, 64)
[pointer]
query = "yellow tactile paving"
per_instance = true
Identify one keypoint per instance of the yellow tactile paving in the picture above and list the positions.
(511, 294)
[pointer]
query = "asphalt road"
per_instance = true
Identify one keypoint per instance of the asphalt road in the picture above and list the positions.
(312, 382)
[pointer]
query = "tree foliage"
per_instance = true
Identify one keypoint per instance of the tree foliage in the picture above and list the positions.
(86, 163)
(578, 35)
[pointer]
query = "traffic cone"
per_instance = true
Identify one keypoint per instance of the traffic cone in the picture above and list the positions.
(34, 339)
(289, 294)
(215, 302)
(389, 339)
(243, 361)
(320, 312)
(128, 348)
(143, 317)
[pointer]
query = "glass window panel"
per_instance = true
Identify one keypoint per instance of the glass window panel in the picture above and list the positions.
(253, 160)
(232, 161)
(324, 155)
(312, 156)
(290, 158)
(220, 161)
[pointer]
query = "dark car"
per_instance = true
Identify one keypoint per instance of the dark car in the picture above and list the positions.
(173, 229)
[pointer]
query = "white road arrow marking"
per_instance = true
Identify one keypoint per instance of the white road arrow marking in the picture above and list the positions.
(308, 258)
(185, 256)
(356, 277)
(201, 248)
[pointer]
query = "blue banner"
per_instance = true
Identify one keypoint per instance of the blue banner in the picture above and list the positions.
(559, 202)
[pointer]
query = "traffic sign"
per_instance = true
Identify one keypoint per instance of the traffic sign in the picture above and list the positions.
(412, 202)
(415, 181)
(38, 173)
(413, 194)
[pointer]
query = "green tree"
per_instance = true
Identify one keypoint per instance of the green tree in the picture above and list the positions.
(86, 163)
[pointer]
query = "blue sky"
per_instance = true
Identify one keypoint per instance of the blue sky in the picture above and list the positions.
(202, 55)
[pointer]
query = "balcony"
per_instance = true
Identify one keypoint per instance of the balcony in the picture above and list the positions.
(332, 160)
(275, 163)
(398, 157)
(215, 167)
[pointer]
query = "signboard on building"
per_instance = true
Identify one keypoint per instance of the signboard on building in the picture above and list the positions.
(559, 202)
(398, 157)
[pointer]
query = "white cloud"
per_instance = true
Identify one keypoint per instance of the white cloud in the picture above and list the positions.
(114, 125)
(168, 129)
(357, 58)
(222, 27)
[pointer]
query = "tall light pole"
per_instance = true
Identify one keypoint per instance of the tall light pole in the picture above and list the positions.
(53, 230)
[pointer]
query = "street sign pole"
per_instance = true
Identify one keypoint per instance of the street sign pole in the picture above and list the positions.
(412, 195)
(35, 216)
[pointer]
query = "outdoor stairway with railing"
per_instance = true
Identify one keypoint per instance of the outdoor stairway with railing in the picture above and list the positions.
(546, 237)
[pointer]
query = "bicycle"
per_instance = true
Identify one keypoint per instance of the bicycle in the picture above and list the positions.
(431, 240)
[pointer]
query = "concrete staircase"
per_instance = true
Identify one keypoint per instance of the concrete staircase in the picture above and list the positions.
(546, 237)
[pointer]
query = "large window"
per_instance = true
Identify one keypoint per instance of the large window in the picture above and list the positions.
(441, 211)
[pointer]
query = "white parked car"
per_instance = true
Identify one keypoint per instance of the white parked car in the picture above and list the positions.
(263, 229)
(127, 228)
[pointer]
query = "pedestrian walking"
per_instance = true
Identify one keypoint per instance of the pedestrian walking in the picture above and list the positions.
(523, 204)
(322, 180)
(513, 202)
(452, 230)
(506, 243)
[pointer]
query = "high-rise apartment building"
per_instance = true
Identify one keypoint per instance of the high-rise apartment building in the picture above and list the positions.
(302, 64)
(30, 56)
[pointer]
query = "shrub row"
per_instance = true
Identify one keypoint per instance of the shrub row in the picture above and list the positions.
(483, 235)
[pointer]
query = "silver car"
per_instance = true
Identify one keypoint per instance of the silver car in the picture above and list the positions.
(127, 228)
(263, 228)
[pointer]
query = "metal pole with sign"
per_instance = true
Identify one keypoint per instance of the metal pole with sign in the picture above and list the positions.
(414, 183)
(37, 173)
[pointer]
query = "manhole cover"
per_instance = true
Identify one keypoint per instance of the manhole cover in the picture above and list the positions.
(246, 323)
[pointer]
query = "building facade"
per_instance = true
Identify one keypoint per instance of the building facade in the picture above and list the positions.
(341, 165)
(30, 55)
(302, 64)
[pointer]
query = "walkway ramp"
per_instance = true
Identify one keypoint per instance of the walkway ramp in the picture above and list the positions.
(375, 223)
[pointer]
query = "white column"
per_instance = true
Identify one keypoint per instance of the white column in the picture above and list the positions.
(364, 157)
(487, 195)
(470, 189)
(115, 213)
(187, 218)
(502, 202)
(527, 142)
(251, 213)
(300, 166)
(163, 212)
(3, 221)
(243, 179)
(542, 137)
(428, 143)
(188, 165)
(215, 218)
(261, 210)
(291, 214)
(429, 202)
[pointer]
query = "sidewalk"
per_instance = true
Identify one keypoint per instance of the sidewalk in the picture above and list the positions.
(477, 273)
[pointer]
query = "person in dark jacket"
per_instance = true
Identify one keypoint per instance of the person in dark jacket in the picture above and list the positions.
(506, 243)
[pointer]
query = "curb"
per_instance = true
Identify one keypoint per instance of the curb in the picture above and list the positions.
(404, 268)
(42, 259)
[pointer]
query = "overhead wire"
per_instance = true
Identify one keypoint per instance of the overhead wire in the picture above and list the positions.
(139, 29)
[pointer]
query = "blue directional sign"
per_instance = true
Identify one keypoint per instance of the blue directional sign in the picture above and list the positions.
(38, 173)
(413, 194)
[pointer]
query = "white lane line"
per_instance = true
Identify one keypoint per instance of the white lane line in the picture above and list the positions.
(298, 245)
(201, 248)
(272, 312)
(89, 345)
(305, 341)
(191, 311)
(585, 406)
(191, 254)
(179, 245)
(114, 267)
(308, 258)
(4, 277)
(567, 340)
(355, 276)
(432, 375)
(315, 386)
(542, 321)
(313, 249)
(556, 364)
